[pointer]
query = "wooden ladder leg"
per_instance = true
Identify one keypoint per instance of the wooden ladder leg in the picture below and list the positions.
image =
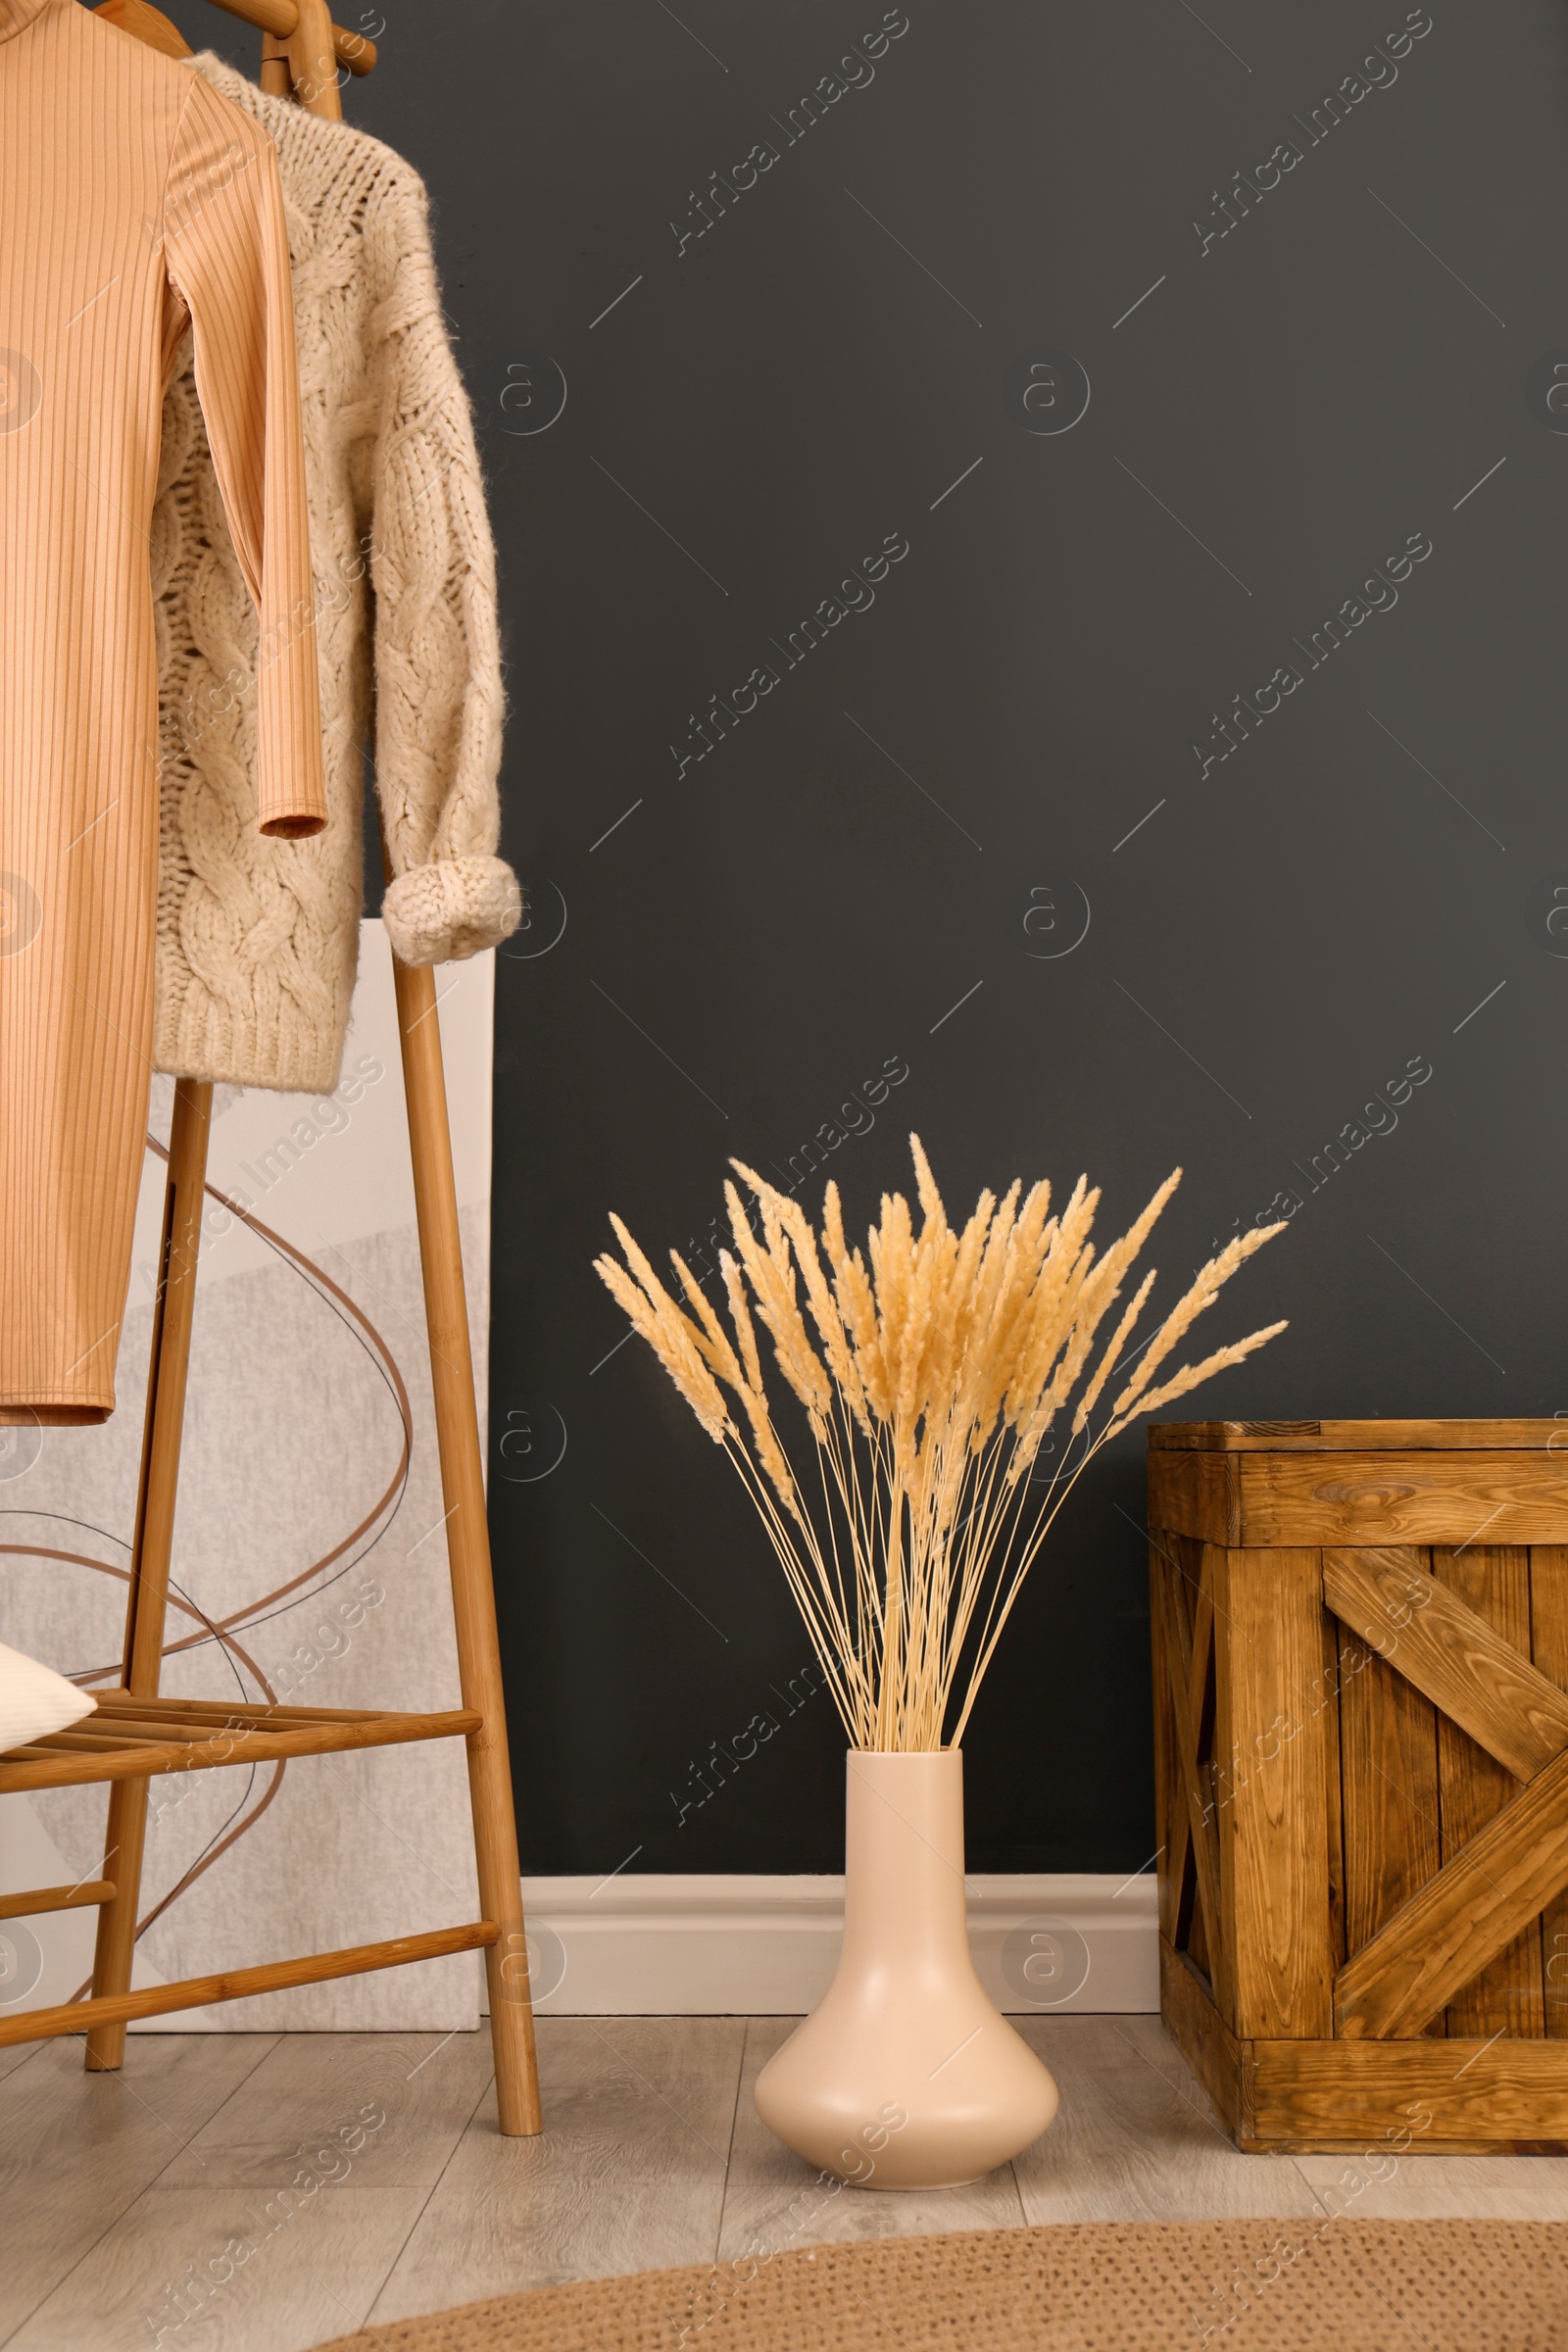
(457, 1422)
(157, 1492)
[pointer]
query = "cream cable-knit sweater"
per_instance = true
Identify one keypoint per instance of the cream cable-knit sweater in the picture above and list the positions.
(256, 938)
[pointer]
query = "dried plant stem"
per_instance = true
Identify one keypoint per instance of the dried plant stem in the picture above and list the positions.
(933, 1379)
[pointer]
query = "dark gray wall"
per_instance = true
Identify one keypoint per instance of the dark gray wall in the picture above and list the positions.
(1290, 902)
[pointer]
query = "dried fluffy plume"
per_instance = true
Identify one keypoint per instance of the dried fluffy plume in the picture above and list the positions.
(938, 1363)
(655, 1314)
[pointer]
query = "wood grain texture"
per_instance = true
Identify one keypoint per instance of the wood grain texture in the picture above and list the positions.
(81, 1896)
(622, 2179)
(1327, 1697)
(1306, 2096)
(19, 2054)
(239, 1984)
(1194, 1495)
(397, 2103)
(302, 51)
(1388, 1788)
(147, 1599)
(1379, 1498)
(1192, 1937)
(467, 1530)
(312, 63)
(78, 2149)
(630, 2175)
(1452, 1926)
(1136, 2139)
(809, 2211)
(1492, 1582)
(1273, 1817)
(1355, 1437)
(1171, 1831)
(313, 2261)
(214, 1717)
(60, 1763)
(1433, 2187)
(1200, 2033)
(1174, 1635)
(1182, 1559)
(281, 19)
(1548, 1647)
(1446, 2094)
(1462, 1636)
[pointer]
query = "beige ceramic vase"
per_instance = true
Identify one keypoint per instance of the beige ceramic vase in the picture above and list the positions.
(904, 2075)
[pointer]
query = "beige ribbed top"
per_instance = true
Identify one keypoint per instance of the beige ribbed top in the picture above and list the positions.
(133, 200)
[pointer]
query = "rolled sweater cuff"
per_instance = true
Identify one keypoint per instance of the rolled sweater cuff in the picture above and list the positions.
(456, 907)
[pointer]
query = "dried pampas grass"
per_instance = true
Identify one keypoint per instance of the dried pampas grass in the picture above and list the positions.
(929, 1379)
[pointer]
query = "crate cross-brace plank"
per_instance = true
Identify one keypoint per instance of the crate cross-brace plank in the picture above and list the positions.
(135, 1734)
(1360, 1652)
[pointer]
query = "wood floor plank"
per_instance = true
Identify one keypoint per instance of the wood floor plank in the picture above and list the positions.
(1519, 2188)
(118, 2191)
(775, 2201)
(287, 2276)
(76, 2149)
(16, 2053)
(628, 2174)
(806, 2210)
(395, 2105)
(1135, 2138)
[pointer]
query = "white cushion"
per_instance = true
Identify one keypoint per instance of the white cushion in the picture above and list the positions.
(34, 1700)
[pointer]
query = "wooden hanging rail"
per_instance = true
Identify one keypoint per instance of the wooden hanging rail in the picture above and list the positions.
(281, 18)
(136, 1732)
(278, 19)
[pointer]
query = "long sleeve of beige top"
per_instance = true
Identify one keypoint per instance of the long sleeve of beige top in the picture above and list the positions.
(132, 198)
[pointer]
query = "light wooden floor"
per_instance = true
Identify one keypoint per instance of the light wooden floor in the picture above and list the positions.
(116, 2190)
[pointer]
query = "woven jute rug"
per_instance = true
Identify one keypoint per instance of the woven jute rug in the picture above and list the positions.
(1146, 2287)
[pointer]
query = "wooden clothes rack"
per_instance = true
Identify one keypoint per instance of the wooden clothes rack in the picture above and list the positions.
(135, 1733)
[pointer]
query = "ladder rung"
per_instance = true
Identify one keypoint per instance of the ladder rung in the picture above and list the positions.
(60, 1767)
(56, 1898)
(112, 1704)
(238, 1984)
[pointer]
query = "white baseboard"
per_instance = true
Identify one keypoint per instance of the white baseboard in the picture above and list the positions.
(720, 1946)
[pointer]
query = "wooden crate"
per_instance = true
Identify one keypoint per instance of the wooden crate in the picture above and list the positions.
(1360, 1642)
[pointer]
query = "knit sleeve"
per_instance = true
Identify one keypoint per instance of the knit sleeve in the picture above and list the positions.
(438, 692)
(226, 259)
